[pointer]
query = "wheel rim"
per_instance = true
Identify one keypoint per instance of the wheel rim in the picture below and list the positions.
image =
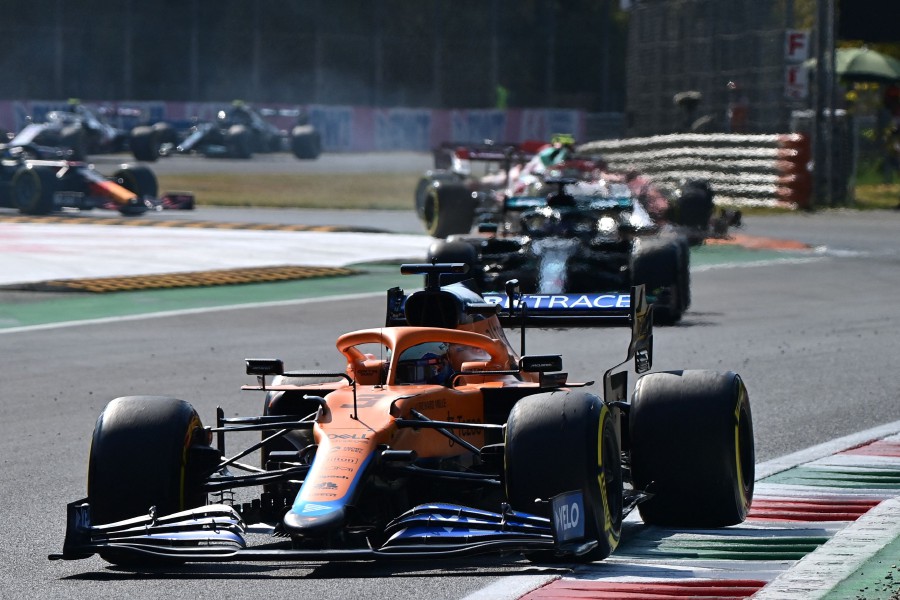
(430, 210)
(610, 481)
(745, 457)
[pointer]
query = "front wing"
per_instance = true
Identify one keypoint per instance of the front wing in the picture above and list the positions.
(216, 533)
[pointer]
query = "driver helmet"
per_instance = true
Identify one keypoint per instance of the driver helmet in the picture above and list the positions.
(559, 150)
(424, 364)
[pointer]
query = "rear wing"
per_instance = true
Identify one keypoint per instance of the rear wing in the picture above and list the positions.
(589, 202)
(506, 154)
(610, 309)
(449, 306)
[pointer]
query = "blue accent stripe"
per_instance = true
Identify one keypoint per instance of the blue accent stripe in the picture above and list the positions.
(312, 509)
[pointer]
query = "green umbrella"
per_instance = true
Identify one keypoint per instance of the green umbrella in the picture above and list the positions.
(862, 64)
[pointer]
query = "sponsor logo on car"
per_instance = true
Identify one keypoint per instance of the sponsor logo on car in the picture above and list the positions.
(565, 301)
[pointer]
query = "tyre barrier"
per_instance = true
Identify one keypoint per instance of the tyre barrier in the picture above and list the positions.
(744, 170)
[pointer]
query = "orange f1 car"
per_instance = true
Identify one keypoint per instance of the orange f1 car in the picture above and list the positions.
(437, 438)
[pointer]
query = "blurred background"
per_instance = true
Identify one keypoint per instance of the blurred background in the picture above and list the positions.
(626, 68)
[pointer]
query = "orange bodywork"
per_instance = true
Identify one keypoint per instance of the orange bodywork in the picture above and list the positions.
(109, 189)
(349, 432)
(100, 187)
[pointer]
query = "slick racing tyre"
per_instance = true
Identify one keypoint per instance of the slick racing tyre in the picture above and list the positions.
(147, 451)
(139, 180)
(239, 141)
(560, 442)
(449, 209)
(306, 142)
(32, 189)
(425, 182)
(660, 267)
(693, 209)
(692, 448)
(74, 138)
(292, 404)
(144, 143)
(684, 272)
(455, 251)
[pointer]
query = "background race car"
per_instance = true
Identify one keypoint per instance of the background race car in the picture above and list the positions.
(436, 437)
(238, 132)
(598, 237)
(469, 183)
(79, 131)
(38, 187)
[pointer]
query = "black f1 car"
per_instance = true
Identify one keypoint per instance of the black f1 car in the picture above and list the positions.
(438, 438)
(598, 237)
(80, 131)
(38, 187)
(452, 198)
(561, 223)
(238, 132)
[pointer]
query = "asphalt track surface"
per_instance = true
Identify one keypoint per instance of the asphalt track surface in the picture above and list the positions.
(815, 338)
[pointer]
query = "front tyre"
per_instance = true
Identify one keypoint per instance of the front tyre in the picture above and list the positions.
(146, 451)
(692, 448)
(559, 442)
(139, 180)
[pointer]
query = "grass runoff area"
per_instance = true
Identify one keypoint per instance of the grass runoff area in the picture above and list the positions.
(873, 192)
(298, 190)
(389, 191)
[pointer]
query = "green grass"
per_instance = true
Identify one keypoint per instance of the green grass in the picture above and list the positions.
(872, 192)
(290, 190)
(393, 191)
(879, 195)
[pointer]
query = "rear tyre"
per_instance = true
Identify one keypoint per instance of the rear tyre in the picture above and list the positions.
(692, 444)
(449, 209)
(425, 182)
(239, 141)
(32, 189)
(456, 251)
(290, 404)
(560, 442)
(306, 143)
(141, 456)
(660, 267)
(694, 209)
(74, 137)
(684, 272)
(144, 143)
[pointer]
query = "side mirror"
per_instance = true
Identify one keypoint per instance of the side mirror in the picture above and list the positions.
(264, 366)
(541, 363)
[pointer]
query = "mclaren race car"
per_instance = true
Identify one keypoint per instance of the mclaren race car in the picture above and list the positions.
(38, 187)
(435, 438)
(238, 132)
